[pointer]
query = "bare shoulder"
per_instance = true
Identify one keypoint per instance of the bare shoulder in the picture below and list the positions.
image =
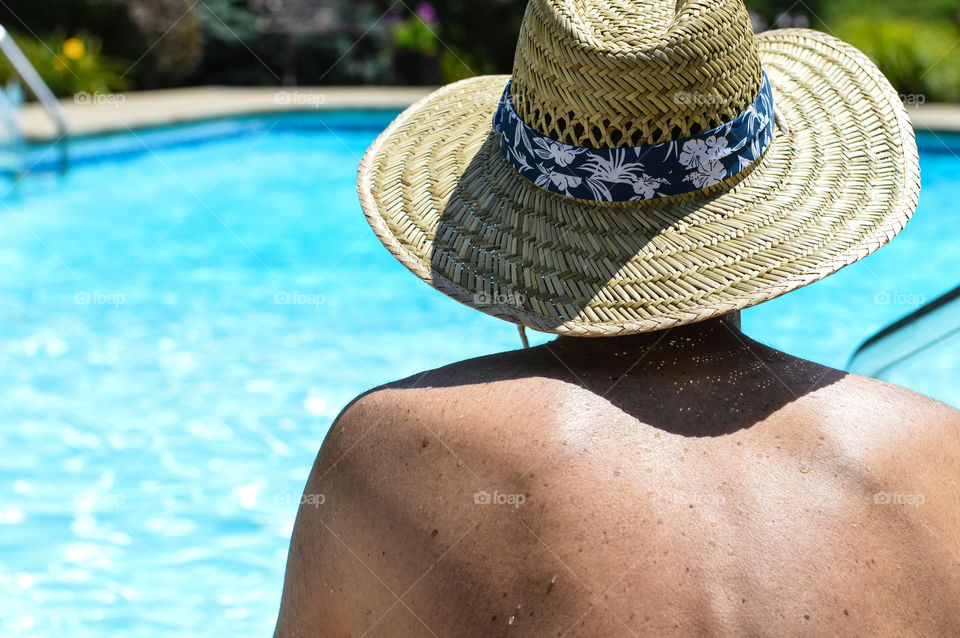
(453, 405)
(902, 416)
(903, 445)
(399, 479)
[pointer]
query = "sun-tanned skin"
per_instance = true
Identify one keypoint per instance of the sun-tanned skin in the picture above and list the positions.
(685, 483)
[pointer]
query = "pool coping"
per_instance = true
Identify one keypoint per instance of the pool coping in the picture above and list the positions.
(96, 114)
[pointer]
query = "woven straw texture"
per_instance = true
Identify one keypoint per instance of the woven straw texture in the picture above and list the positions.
(628, 73)
(840, 184)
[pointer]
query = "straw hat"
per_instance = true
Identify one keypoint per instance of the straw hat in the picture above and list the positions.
(650, 163)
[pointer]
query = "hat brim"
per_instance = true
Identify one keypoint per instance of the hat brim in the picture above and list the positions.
(840, 183)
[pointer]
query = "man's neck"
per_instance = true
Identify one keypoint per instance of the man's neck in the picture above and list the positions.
(711, 337)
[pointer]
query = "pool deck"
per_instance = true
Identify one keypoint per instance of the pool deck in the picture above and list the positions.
(91, 115)
(95, 114)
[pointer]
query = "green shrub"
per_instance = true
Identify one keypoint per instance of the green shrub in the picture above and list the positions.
(67, 67)
(456, 65)
(921, 58)
(175, 27)
(482, 34)
(770, 10)
(414, 34)
(924, 9)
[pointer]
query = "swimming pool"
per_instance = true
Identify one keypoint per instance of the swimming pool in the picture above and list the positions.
(186, 311)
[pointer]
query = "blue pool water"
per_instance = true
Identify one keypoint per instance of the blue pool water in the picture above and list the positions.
(183, 319)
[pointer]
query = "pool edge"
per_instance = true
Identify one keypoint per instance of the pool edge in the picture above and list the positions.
(104, 114)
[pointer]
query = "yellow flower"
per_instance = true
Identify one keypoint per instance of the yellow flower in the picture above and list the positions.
(74, 48)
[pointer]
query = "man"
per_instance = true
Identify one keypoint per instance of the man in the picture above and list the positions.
(653, 169)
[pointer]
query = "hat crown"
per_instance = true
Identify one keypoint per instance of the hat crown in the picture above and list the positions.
(617, 73)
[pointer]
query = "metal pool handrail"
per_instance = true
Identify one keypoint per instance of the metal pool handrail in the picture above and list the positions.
(33, 81)
(908, 338)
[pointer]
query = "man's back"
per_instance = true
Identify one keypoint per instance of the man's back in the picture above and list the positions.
(690, 484)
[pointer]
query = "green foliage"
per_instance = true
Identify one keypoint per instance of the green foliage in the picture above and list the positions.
(227, 21)
(769, 10)
(920, 58)
(923, 9)
(415, 36)
(91, 72)
(176, 31)
(225, 42)
(482, 34)
(239, 51)
(456, 65)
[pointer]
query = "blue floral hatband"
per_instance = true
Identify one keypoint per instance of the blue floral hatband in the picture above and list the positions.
(642, 172)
